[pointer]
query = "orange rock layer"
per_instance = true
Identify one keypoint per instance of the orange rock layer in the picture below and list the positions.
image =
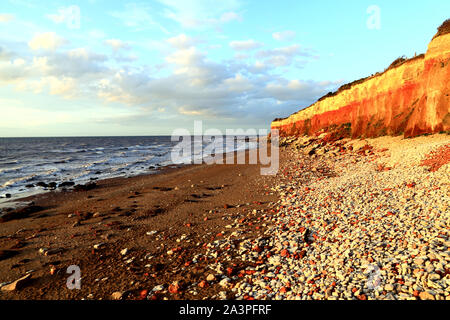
(410, 99)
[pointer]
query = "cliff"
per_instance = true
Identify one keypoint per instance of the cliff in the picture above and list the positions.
(411, 98)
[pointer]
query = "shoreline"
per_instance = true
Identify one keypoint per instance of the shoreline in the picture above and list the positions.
(15, 201)
(194, 202)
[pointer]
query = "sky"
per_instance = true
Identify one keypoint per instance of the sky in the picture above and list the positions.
(113, 68)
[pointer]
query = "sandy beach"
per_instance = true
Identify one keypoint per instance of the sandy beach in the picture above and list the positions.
(346, 219)
(179, 209)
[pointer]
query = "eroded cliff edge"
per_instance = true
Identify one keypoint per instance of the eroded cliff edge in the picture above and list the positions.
(410, 98)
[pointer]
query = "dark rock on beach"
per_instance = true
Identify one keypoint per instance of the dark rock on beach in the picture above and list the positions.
(66, 184)
(52, 185)
(20, 213)
(85, 187)
(6, 254)
(42, 184)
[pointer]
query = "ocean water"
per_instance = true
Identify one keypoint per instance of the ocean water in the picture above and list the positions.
(27, 161)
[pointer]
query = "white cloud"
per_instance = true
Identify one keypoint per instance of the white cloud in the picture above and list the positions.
(284, 35)
(245, 45)
(181, 41)
(5, 54)
(284, 56)
(64, 86)
(241, 56)
(185, 57)
(11, 72)
(230, 16)
(117, 44)
(190, 84)
(18, 62)
(6, 17)
(60, 17)
(70, 15)
(185, 111)
(201, 13)
(287, 51)
(138, 17)
(97, 34)
(238, 83)
(47, 41)
(201, 88)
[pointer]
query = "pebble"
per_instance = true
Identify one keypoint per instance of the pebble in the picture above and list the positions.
(18, 284)
(426, 296)
(358, 233)
(117, 295)
(224, 282)
(158, 288)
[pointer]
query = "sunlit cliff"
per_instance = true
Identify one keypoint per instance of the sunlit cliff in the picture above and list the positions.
(410, 98)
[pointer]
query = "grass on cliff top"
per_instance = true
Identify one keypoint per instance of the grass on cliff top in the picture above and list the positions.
(444, 28)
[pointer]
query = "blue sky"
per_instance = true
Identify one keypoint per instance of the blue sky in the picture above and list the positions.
(98, 67)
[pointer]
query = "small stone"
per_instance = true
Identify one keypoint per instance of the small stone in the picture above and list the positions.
(158, 288)
(174, 287)
(389, 287)
(124, 252)
(49, 252)
(426, 296)
(211, 277)
(117, 295)
(434, 277)
(18, 284)
(224, 282)
(98, 245)
(52, 270)
(76, 224)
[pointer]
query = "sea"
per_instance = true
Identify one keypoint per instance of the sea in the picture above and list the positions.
(24, 162)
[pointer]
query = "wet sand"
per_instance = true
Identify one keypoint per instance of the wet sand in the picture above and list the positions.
(145, 215)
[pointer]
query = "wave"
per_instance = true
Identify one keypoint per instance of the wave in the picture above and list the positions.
(95, 158)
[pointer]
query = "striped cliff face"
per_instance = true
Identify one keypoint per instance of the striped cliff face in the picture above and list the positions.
(410, 99)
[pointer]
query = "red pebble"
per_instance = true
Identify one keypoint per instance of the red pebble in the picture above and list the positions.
(144, 293)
